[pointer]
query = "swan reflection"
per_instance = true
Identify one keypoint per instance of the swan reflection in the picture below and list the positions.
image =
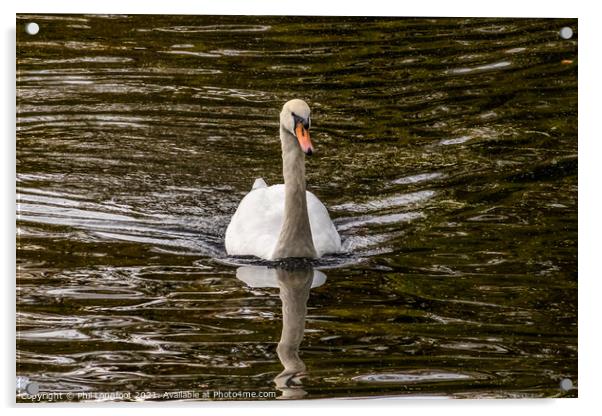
(294, 285)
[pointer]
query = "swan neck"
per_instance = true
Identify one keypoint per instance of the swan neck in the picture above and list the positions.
(293, 166)
(295, 236)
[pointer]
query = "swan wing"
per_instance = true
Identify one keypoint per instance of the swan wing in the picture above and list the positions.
(259, 183)
(325, 236)
(255, 226)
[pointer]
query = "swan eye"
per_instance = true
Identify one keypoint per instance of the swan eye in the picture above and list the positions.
(297, 119)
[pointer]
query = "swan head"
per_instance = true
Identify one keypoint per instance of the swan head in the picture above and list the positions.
(295, 118)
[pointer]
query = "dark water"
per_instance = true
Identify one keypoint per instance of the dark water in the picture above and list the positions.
(446, 154)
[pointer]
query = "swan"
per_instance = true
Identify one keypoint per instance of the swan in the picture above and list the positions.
(281, 221)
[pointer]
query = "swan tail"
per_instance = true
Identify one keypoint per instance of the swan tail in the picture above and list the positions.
(259, 183)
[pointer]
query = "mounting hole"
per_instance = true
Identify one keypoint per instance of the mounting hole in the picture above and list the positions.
(566, 32)
(32, 388)
(32, 28)
(566, 384)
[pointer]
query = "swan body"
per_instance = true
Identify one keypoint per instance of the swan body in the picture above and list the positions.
(255, 226)
(280, 221)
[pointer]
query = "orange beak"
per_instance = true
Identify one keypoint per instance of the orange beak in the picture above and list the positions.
(303, 136)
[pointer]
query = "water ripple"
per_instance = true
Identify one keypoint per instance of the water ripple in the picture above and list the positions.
(414, 377)
(214, 28)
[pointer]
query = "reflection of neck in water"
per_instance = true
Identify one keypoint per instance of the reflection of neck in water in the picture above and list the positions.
(294, 285)
(294, 292)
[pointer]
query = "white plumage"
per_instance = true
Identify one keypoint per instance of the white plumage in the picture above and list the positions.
(255, 226)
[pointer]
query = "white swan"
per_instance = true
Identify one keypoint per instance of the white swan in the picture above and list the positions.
(280, 221)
